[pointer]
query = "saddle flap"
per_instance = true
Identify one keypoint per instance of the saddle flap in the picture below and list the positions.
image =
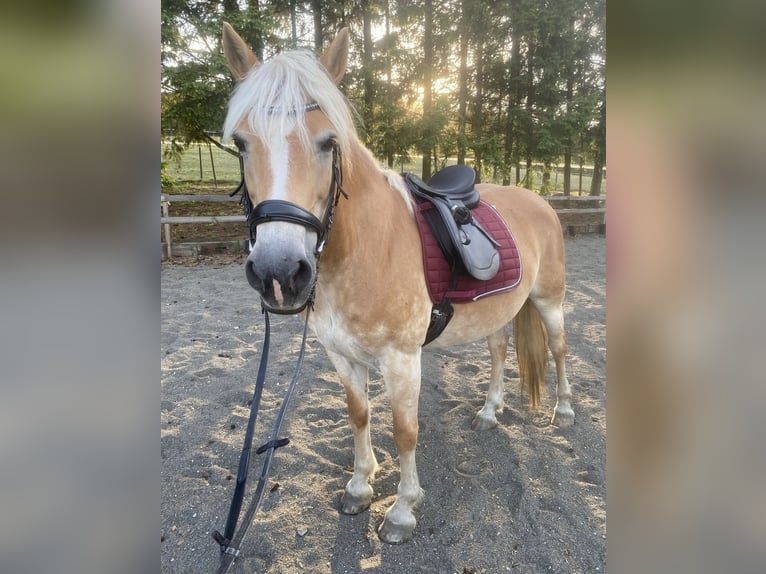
(474, 247)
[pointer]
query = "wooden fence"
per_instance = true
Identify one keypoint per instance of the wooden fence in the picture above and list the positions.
(166, 220)
(574, 220)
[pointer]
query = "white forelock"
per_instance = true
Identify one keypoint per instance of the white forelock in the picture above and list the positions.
(272, 97)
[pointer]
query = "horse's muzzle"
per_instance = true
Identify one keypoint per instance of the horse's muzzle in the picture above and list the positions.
(284, 283)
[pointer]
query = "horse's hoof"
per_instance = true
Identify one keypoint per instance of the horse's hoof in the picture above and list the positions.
(563, 417)
(396, 533)
(353, 505)
(482, 422)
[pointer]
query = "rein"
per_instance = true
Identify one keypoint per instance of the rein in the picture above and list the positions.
(231, 540)
(273, 210)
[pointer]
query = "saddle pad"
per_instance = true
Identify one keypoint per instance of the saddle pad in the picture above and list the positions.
(437, 270)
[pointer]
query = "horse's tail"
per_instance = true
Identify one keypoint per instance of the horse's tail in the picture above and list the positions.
(531, 342)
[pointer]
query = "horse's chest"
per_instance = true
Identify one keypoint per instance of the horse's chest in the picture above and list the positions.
(337, 336)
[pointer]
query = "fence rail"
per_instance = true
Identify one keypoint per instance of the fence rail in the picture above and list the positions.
(166, 220)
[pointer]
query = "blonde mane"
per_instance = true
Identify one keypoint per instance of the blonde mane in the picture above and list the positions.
(273, 95)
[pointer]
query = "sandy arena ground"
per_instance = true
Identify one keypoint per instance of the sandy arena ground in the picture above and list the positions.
(524, 497)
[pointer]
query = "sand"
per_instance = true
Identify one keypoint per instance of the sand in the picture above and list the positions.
(524, 497)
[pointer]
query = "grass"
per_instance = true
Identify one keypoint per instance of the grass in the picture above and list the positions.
(187, 170)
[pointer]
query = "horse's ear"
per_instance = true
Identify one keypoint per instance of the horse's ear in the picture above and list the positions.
(335, 57)
(238, 54)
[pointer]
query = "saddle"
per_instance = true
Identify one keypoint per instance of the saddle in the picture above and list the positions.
(446, 202)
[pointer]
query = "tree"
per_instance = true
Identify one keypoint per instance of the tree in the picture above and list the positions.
(491, 83)
(598, 148)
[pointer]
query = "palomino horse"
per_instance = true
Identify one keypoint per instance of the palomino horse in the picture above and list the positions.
(372, 307)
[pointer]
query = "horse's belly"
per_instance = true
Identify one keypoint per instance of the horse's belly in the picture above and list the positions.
(473, 321)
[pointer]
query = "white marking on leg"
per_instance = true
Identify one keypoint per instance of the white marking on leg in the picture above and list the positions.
(498, 351)
(354, 376)
(401, 373)
(552, 315)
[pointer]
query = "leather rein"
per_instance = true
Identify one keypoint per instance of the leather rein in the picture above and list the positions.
(273, 210)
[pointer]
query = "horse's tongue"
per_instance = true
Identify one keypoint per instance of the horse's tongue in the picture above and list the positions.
(278, 292)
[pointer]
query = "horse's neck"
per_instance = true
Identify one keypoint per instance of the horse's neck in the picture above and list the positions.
(371, 293)
(372, 227)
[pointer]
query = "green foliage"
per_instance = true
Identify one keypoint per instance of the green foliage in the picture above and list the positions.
(533, 71)
(166, 181)
(545, 188)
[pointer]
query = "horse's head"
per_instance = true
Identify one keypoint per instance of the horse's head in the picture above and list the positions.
(290, 123)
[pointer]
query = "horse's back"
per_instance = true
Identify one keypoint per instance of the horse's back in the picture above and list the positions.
(533, 222)
(520, 207)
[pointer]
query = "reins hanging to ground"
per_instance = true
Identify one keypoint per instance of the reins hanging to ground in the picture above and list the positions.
(231, 539)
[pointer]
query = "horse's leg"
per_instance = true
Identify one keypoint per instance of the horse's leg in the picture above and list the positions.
(401, 373)
(498, 351)
(358, 493)
(552, 314)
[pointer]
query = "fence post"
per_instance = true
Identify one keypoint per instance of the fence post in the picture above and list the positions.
(167, 227)
(212, 163)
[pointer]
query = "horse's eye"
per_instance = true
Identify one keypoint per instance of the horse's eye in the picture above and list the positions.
(327, 144)
(240, 143)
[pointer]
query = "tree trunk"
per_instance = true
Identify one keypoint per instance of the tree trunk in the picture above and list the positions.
(388, 36)
(389, 66)
(294, 23)
(513, 102)
(600, 151)
(256, 37)
(529, 176)
(230, 7)
(595, 183)
(462, 85)
(428, 64)
(478, 127)
(367, 71)
(316, 8)
(545, 187)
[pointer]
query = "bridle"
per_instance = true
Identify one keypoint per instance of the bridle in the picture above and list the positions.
(281, 210)
(273, 210)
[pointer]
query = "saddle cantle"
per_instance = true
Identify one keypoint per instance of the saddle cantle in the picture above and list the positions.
(465, 243)
(454, 182)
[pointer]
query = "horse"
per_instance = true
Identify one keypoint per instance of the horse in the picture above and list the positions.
(370, 304)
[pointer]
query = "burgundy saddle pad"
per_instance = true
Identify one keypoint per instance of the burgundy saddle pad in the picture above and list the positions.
(437, 269)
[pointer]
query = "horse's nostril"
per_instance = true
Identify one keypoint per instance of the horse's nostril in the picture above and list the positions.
(302, 275)
(252, 276)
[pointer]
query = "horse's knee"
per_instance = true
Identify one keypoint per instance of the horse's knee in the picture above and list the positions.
(405, 433)
(358, 409)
